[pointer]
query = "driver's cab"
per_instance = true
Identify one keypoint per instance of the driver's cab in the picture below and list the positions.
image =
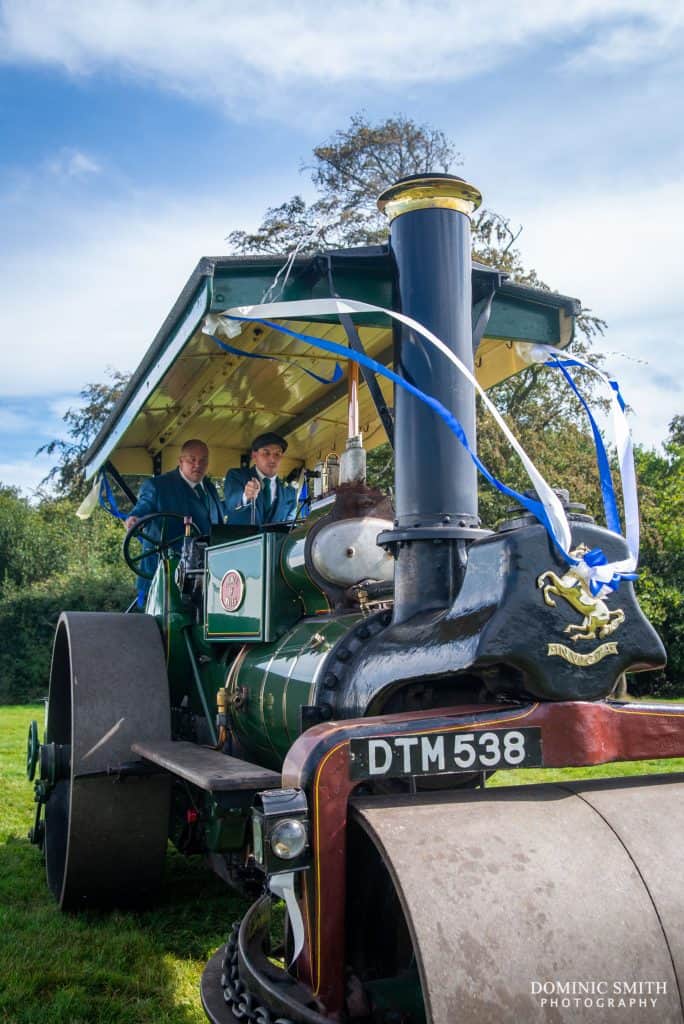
(249, 583)
(211, 376)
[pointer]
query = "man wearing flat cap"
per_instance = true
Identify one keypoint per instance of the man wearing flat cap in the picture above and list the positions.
(257, 495)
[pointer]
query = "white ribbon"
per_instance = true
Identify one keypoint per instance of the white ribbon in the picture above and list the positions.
(625, 452)
(282, 886)
(91, 500)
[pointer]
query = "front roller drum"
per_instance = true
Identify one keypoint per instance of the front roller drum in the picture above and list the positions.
(105, 835)
(539, 903)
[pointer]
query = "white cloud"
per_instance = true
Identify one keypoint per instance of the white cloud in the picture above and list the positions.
(617, 251)
(208, 49)
(109, 273)
(634, 44)
(26, 474)
(616, 248)
(60, 406)
(27, 415)
(72, 163)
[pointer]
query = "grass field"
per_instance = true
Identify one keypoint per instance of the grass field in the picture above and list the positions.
(132, 968)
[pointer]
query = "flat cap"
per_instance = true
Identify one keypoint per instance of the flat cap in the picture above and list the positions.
(268, 438)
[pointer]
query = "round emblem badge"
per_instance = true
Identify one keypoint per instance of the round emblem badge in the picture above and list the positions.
(232, 590)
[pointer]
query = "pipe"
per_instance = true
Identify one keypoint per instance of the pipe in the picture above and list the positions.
(435, 480)
(199, 688)
(353, 401)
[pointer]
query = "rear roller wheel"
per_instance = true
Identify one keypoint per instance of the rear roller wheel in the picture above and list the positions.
(105, 836)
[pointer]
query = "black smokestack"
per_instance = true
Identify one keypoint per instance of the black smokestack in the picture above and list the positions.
(435, 480)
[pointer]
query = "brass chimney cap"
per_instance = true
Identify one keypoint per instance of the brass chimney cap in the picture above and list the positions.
(424, 191)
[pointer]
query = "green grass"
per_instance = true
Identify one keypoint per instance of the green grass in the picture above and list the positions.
(126, 968)
(118, 968)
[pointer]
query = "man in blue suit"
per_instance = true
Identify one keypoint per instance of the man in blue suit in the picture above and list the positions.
(185, 490)
(256, 495)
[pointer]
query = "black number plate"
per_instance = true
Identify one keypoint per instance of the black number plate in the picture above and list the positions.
(439, 752)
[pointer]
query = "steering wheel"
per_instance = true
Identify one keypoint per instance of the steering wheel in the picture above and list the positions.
(159, 546)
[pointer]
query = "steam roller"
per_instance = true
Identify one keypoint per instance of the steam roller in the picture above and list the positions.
(321, 707)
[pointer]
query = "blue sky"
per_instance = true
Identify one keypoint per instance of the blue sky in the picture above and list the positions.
(135, 135)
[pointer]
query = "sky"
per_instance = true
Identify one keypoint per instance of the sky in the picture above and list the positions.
(135, 135)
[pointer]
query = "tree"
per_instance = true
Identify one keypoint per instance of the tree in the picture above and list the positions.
(83, 423)
(350, 171)
(50, 560)
(661, 582)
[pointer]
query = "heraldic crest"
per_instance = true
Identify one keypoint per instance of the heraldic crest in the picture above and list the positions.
(598, 620)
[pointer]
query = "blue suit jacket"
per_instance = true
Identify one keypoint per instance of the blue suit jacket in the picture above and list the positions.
(283, 508)
(171, 493)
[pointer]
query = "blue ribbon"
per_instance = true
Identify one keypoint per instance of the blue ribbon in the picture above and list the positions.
(337, 375)
(535, 507)
(304, 501)
(597, 557)
(107, 500)
(605, 477)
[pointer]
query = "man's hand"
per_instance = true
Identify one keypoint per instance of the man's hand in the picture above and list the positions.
(252, 488)
(130, 522)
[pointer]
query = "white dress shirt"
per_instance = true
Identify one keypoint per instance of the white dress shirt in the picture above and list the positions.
(270, 482)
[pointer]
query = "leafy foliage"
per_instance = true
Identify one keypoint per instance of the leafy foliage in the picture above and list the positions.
(83, 424)
(661, 583)
(50, 561)
(350, 171)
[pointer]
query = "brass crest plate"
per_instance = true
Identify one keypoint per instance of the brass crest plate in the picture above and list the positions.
(598, 620)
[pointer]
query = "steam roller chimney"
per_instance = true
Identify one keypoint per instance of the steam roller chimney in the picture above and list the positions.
(435, 479)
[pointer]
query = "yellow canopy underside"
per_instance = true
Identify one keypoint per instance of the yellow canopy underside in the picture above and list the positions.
(226, 400)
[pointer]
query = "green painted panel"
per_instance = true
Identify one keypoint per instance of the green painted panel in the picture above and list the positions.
(528, 321)
(247, 286)
(267, 606)
(511, 316)
(247, 558)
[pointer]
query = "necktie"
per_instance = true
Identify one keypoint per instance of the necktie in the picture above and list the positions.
(203, 497)
(267, 498)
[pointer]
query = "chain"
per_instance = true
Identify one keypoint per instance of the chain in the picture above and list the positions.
(242, 1003)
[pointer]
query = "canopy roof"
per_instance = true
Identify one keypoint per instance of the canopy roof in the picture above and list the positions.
(187, 386)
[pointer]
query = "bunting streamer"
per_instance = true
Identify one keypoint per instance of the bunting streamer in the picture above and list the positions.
(552, 357)
(337, 374)
(107, 499)
(100, 494)
(601, 575)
